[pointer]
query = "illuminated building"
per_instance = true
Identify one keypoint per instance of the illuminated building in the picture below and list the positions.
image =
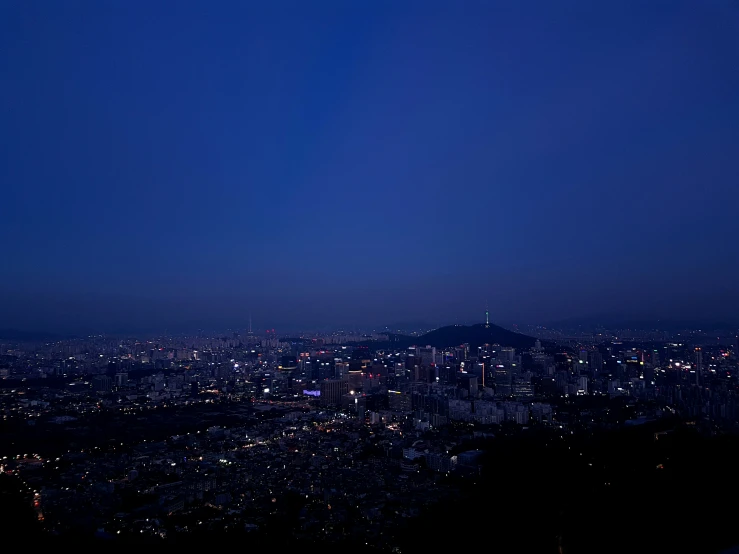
(102, 383)
(332, 390)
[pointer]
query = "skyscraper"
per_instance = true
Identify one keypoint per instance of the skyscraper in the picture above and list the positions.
(698, 365)
(503, 379)
(101, 383)
(506, 355)
(332, 390)
(595, 362)
(522, 388)
(121, 380)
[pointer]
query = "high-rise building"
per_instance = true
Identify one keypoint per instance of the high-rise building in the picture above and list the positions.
(506, 355)
(332, 390)
(354, 379)
(522, 388)
(102, 383)
(595, 361)
(503, 379)
(479, 370)
(341, 368)
(121, 380)
(470, 384)
(648, 374)
(360, 406)
(399, 401)
(462, 352)
(427, 356)
(698, 365)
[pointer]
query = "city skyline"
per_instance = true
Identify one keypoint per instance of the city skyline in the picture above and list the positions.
(586, 324)
(328, 444)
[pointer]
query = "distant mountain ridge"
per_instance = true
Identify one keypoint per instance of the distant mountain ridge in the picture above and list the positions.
(474, 335)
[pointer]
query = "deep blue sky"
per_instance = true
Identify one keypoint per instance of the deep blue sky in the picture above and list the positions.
(180, 164)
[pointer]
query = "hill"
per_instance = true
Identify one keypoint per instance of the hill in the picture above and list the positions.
(474, 335)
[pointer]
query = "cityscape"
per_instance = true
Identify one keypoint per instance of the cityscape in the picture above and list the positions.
(339, 438)
(370, 277)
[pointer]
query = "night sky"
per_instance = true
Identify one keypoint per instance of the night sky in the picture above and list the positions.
(177, 165)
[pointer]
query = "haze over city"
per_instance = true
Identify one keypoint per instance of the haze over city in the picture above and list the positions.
(346, 164)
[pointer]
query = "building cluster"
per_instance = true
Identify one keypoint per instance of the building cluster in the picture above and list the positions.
(177, 434)
(350, 477)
